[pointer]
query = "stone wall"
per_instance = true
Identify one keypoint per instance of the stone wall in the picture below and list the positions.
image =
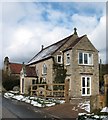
(100, 101)
(27, 84)
(76, 71)
(49, 76)
(94, 103)
(106, 89)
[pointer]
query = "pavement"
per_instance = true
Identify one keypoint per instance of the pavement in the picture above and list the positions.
(21, 111)
(64, 111)
(59, 112)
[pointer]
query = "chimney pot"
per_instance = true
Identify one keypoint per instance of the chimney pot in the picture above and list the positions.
(42, 47)
(75, 31)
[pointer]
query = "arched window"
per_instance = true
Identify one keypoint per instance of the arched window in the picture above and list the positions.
(44, 70)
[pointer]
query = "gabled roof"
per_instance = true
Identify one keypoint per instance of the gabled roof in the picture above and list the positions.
(30, 71)
(48, 51)
(15, 68)
(74, 43)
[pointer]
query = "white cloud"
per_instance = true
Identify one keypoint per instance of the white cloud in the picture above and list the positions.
(55, 15)
(21, 39)
(98, 37)
(26, 37)
(0, 35)
(84, 23)
(95, 30)
(25, 30)
(12, 12)
(27, 41)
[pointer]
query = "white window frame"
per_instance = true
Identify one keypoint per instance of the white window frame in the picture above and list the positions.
(44, 72)
(61, 61)
(44, 79)
(85, 87)
(83, 60)
(67, 55)
(22, 85)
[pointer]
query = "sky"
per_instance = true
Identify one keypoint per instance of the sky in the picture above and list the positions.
(26, 26)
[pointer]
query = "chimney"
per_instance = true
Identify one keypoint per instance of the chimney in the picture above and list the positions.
(24, 68)
(23, 65)
(6, 64)
(6, 60)
(42, 47)
(75, 31)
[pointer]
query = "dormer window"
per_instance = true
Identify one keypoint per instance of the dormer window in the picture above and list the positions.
(85, 58)
(59, 59)
(67, 58)
(44, 70)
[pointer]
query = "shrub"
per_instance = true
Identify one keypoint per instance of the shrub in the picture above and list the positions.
(9, 81)
(9, 84)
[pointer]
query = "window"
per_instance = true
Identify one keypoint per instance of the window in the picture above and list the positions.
(90, 59)
(44, 80)
(80, 58)
(59, 59)
(67, 59)
(33, 81)
(85, 58)
(86, 86)
(44, 70)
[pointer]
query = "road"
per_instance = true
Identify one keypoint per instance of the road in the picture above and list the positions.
(20, 110)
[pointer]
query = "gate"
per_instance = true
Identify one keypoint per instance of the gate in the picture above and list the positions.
(54, 90)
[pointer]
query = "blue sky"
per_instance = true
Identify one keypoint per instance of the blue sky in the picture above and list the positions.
(28, 25)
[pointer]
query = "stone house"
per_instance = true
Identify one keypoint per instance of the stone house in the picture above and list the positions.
(80, 59)
(27, 77)
(12, 69)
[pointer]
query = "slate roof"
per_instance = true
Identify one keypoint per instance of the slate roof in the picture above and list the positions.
(50, 50)
(15, 68)
(30, 71)
(74, 43)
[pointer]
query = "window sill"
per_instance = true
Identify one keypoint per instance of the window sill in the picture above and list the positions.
(86, 95)
(59, 62)
(67, 64)
(44, 73)
(91, 65)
